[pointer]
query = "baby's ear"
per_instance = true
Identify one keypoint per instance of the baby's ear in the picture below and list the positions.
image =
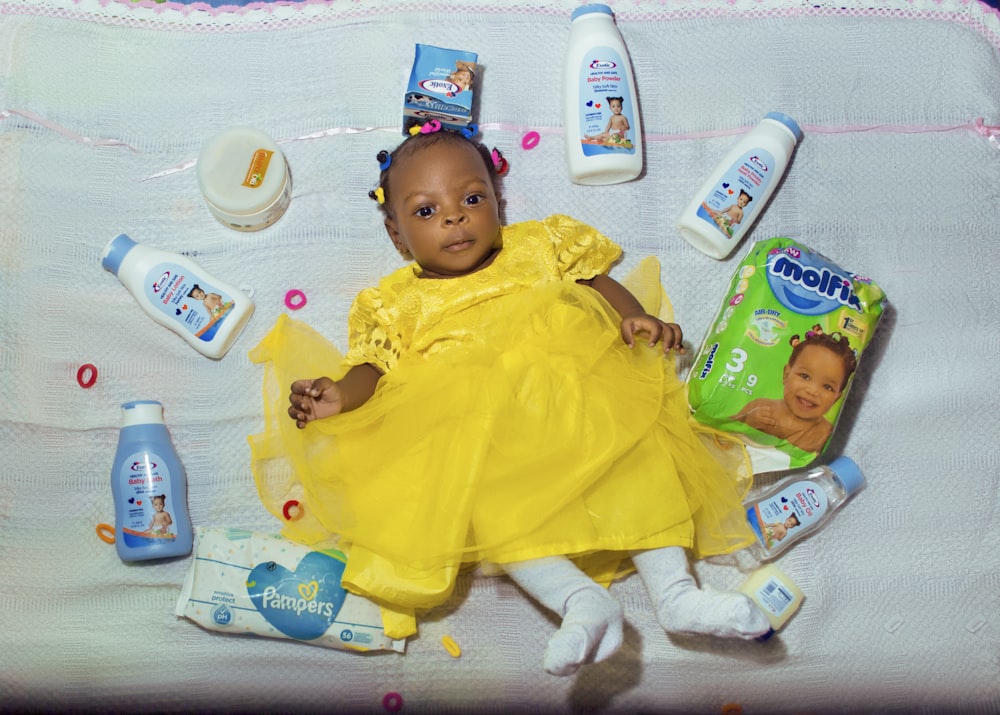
(397, 241)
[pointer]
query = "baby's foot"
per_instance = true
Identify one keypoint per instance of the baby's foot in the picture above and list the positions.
(591, 631)
(709, 612)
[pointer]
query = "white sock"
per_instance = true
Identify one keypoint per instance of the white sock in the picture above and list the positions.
(683, 608)
(591, 629)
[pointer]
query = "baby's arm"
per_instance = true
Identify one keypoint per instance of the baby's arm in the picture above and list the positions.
(320, 398)
(635, 319)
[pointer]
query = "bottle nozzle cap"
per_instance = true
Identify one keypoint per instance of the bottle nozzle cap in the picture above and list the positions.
(115, 252)
(848, 473)
(142, 412)
(787, 122)
(591, 8)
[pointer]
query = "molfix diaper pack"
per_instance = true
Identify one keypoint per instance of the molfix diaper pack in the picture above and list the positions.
(780, 356)
(246, 582)
(440, 88)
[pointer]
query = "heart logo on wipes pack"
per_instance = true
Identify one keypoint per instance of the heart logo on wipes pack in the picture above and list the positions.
(301, 603)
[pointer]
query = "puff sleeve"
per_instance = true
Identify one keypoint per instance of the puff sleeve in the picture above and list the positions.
(371, 335)
(582, 252)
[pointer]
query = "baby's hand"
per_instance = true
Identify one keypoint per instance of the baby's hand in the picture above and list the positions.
(314, 400)
(669, 333)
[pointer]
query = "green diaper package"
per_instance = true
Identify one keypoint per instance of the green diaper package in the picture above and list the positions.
(782, 351)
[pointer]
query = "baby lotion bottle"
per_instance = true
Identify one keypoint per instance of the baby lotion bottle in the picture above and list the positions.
(735, 193)
(149, 488)
(178, 294)
(775, 594)
(799, 504)
(603, 130)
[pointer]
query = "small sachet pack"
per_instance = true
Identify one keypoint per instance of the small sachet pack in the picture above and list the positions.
(441, 88)
(782, 351)
(246, 582)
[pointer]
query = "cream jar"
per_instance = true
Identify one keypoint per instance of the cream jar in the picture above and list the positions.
(244, 179)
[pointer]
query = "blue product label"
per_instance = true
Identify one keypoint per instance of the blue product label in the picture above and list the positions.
(200, 307)
(146, 496)
(606, 105)
(302, 603)
(731, 201)
(795, 508)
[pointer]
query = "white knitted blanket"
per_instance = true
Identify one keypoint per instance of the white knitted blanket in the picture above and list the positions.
(104, 106)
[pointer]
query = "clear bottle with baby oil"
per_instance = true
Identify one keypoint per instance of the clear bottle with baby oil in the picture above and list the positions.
(800, 504)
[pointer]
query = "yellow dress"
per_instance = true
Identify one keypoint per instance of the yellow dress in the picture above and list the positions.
(511, 422)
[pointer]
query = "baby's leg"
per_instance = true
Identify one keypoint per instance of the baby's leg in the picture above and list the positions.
(591, 629)
(683, 608)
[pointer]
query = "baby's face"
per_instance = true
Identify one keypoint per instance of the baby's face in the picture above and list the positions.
(743, 200)
(813, 382)
(158, 504)
(616, 106)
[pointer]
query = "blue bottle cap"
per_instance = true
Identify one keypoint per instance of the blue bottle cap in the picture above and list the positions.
(848, 473)
(115, 252)
(587, 9)
(787, 121)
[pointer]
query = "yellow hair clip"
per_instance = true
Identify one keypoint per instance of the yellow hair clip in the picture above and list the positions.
(378, 194)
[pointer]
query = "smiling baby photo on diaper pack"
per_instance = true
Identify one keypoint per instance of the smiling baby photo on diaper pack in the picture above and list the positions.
(781, 354)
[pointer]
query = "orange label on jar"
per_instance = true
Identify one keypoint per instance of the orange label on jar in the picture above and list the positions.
(258, 168)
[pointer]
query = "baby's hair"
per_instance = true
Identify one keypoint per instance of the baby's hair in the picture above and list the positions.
(413, 145)
(744, 193)
(621, 100)
(836, 343)
(161, 497)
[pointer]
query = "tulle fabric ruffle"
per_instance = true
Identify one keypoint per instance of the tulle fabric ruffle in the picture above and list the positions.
(544, 435)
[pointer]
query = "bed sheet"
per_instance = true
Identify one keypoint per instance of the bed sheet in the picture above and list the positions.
(104, 106)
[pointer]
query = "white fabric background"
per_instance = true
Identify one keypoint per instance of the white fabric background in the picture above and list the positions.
(892, 180)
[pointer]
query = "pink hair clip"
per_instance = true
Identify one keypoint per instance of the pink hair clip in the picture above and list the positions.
(499, 163)
(429, 128)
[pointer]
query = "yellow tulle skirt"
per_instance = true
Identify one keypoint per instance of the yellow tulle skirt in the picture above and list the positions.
(543, 434)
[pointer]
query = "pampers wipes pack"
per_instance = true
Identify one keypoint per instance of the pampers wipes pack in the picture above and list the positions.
(782, 352)
(246, 582)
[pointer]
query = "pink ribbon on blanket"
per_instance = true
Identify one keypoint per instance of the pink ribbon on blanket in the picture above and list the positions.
(978, 126)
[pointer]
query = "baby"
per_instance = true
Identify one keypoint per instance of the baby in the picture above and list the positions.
(814, 379)
(503, 399)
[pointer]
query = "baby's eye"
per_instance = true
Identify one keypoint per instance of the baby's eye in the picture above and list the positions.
(424, 212)
(474, 199)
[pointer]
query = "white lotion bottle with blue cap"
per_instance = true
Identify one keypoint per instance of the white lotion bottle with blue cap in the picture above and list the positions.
(149, 488)
(799, 504)
(603, 129)
(733, 196)
(178, 294)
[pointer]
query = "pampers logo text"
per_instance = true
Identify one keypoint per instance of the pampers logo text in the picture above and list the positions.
(809, 289)
(272, 599)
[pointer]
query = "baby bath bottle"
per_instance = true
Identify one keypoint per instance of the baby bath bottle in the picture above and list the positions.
(178, 294)
(800, 504)
(603, 130)
(149, 488)
(734, 194)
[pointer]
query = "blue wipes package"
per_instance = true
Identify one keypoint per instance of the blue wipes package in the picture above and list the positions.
(441, 88)
(246, 582)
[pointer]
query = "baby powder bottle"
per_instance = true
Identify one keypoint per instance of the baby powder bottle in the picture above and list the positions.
(603, 130)
(178, 294)
(800, 504)
(735, 193)
(775, 594)
(149, 488)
